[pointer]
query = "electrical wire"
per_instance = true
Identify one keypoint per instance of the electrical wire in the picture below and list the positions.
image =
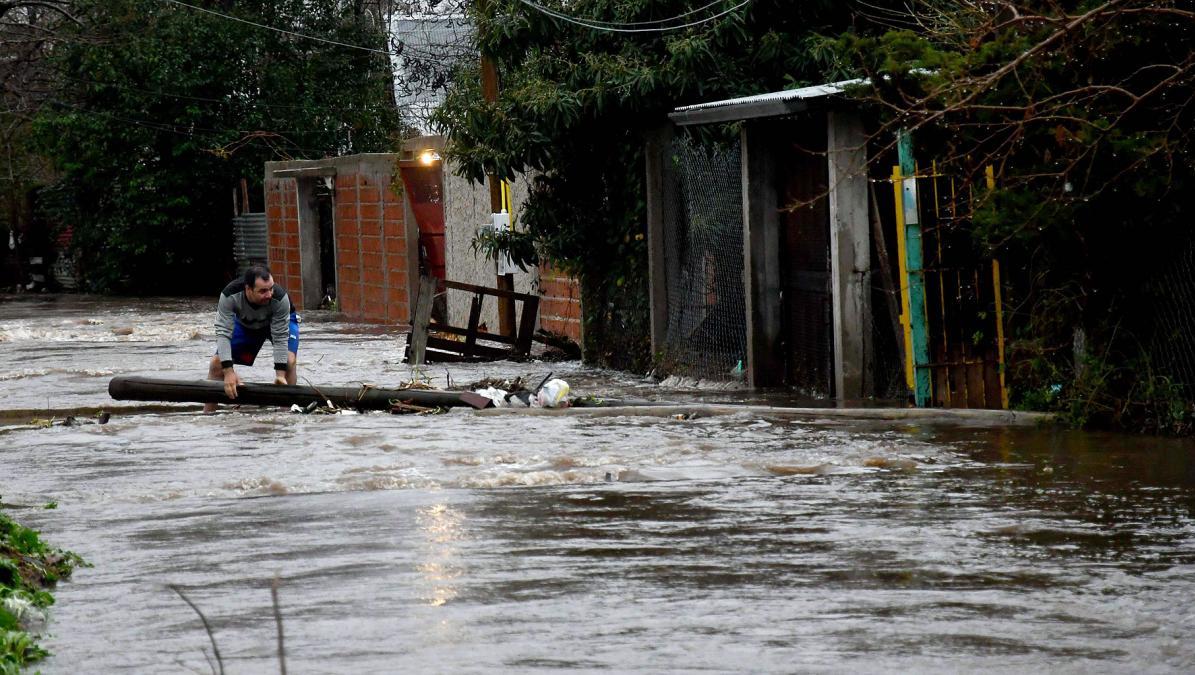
(654, 21)
(281, 30)
(203, 99)
(610, 29)
(185, 130)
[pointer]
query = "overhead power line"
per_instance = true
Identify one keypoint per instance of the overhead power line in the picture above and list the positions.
(615, 27)
(654, 22)
(228, 102)
(316, 38)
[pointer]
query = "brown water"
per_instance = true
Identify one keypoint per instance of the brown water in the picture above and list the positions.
(464, 543)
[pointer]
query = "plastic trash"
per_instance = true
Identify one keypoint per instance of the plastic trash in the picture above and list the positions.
(553, 394)
(498, 396)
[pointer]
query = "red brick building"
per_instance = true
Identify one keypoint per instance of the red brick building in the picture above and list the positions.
(355, 229)
(343, 228)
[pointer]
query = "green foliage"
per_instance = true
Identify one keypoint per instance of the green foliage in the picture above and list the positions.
(573, 110)
(1080, 108)
(164, 109)
(17, 650)
(27, 567)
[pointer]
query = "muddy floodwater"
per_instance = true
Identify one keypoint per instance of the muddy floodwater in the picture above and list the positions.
(481, 543)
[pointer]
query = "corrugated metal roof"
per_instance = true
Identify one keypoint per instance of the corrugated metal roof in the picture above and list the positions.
(759, 105)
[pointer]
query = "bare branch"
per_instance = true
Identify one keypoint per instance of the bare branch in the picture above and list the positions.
(206, 626)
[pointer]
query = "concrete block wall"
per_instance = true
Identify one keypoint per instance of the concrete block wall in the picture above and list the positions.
(282, 236)
(466, 208)
(372, 252)
(376, 240)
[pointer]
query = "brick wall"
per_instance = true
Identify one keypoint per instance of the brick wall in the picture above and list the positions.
(371, 249)
(282, 236)
(560, 304)
(372, 252)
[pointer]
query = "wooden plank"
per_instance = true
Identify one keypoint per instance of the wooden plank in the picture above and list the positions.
(419, 322)
(661, 186)
(471, 331)
(527, 326)
(496, 292)
(476, 350)
(481, 334)
(761, 269)
(850, 256)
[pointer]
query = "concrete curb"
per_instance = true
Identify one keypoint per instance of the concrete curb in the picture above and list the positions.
(943, 416)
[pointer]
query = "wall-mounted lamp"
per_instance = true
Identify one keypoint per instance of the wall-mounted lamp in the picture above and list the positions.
(429, 157)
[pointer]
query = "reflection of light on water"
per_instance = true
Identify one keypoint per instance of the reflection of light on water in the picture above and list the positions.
(441, 527)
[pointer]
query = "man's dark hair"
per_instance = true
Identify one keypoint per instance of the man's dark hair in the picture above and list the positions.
(256, 272)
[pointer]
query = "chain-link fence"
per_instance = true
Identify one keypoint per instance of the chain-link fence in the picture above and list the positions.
(1172, 349)
(706, 335)
(703, 253)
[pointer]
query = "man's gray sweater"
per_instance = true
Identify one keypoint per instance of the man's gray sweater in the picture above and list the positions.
(235, 307)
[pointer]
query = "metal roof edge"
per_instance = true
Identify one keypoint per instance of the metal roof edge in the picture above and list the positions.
(770, 104)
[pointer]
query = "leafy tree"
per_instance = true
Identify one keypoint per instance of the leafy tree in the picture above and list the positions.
(574, 105)
(164, 108)
(28, 28)
(1084, 109)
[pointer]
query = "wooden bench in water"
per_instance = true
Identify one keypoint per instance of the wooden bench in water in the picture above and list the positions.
(361, 397)
(424, 347)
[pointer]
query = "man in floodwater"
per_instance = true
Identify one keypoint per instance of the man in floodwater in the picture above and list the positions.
(251, 311)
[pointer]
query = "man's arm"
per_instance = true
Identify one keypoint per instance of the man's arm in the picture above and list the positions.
(280, 335)
(225, 322)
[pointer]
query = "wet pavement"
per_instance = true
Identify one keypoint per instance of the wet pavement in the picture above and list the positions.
(465, 543)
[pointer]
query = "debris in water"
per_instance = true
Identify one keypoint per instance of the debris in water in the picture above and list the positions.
(788, 470)
(897, 463)
(512, 386)
(101, 417)
(552, 394)
(398, 407)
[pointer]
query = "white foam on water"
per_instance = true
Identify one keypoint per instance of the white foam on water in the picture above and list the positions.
(22, 374)
(167, 331)
(531, 478)
(262, 485)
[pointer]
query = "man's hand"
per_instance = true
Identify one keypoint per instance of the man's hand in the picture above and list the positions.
(231, 382)
(280, 377)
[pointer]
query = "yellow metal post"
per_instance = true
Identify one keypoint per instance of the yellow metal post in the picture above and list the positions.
(999, 331)
(990, 176)
(902, 264)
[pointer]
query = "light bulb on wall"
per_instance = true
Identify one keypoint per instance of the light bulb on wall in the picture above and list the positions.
(429, 157)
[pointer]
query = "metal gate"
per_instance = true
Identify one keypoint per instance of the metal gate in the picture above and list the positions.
(951, 299)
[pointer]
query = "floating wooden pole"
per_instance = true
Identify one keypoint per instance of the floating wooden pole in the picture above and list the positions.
(361, 397)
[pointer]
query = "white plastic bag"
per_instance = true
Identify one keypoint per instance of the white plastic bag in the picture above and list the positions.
(554, 394)
(498, 396)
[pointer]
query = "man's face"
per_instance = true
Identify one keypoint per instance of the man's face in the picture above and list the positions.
(260, 292)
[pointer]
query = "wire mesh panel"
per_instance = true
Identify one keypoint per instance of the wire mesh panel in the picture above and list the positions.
(703, 251)
(1173, 347)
